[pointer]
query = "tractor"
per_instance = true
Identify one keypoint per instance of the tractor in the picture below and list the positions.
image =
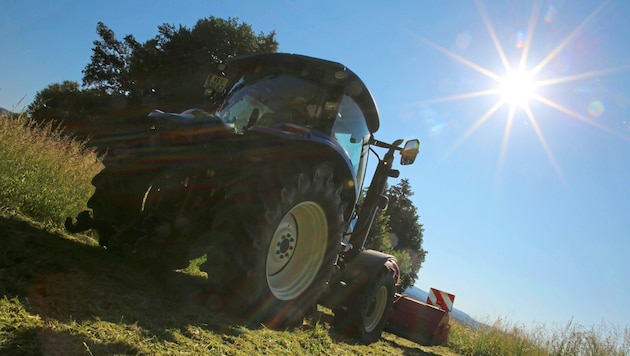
(264, 181)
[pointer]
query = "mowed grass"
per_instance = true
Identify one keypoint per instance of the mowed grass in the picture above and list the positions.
(61, 294)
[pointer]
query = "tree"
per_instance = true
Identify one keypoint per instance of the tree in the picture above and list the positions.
(74, 109)
(406, 232)
(168, 71)
(397, 231)
(109, 69)
(62, 101)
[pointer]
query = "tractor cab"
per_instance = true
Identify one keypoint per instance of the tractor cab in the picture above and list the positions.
(276, 90)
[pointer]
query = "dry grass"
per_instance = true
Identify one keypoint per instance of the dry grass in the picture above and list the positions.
(504, 338)
(45, 174)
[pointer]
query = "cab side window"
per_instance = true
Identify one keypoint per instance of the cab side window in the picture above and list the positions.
(350, 130)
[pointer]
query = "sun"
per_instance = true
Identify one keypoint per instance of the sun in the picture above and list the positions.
(517, 88)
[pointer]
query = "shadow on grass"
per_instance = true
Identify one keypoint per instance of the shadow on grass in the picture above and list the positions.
(72, 297)
(407, 347)
(45, 341)
(68, 280)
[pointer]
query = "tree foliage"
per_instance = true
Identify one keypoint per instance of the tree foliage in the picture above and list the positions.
(109, 68)
(397, 231)
(82, 112)
(168, 71)
(66, 101)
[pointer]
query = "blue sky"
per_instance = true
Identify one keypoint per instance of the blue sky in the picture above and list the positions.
(526, 213)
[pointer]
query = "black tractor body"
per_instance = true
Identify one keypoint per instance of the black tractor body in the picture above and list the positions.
(263, 182)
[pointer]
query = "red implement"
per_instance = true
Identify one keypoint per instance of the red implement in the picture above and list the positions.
(419, 322)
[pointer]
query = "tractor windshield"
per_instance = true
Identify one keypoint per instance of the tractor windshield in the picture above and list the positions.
(271, 99)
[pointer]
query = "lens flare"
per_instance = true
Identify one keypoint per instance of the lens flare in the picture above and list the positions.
(595, 108)
(551, 13)
(463, 40)
(521, 37)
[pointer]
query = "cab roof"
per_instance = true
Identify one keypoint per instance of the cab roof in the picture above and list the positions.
(355, 87)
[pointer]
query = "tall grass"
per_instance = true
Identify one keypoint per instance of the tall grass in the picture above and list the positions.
(44, 173)
(574, 339)
(505, 338)
(499, 338)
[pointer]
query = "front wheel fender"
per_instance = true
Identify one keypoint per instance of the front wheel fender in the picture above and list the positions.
(355, 274)
(366, 263)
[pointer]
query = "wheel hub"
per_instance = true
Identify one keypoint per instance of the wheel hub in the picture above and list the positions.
(296, 251)
(283, 245)
(286, 246)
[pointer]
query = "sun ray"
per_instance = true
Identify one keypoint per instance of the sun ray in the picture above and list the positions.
(469, 95)
(476, 125)
(585, 75)
(579, 117)
(459, 58)
(506, 138)
(493, 35)
(531, 28)
(543, 142)
(566, 41)
(504, 143)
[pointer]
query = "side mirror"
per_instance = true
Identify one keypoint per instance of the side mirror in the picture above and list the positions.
(409, 152)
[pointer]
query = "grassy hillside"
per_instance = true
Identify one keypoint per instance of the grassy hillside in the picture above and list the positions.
(62, 294)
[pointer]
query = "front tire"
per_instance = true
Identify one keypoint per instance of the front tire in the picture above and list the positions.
(274, 242)
(366, 317)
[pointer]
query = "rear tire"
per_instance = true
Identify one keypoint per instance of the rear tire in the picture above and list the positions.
(275, 238)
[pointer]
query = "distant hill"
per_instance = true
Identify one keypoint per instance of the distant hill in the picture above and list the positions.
(418, 294)
(3, 110)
